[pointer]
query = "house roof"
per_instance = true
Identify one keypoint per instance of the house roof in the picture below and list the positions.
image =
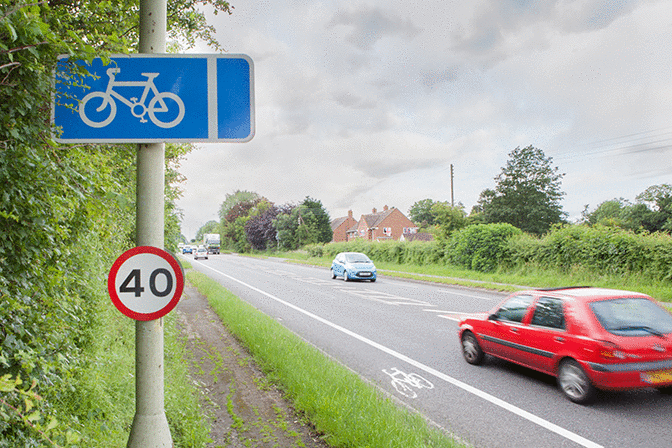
(337, 222)
(373, 219)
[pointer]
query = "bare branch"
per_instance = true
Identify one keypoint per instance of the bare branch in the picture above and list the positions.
(13, 50)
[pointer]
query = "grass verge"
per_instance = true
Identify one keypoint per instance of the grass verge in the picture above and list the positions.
(105, 395)
(502, 280)
(348, 411)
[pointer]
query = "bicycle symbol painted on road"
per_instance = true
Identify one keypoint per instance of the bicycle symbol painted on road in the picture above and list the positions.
(102, 107)
(406, 383)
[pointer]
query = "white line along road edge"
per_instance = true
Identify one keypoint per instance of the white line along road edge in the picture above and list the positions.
(466, 387)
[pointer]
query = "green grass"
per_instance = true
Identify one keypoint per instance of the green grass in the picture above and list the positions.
(106, 390)
(348, 411)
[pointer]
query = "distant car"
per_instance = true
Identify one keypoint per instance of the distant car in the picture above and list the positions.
(187, 250)
(201, 252)
(588, 338)
(353, 266)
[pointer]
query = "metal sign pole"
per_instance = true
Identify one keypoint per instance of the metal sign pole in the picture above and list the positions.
(150, 427)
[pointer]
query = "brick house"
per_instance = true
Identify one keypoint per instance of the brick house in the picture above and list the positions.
(390, 224)
(340, 227)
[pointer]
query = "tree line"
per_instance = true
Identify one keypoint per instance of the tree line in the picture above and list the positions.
(527, 195)
(249, 222)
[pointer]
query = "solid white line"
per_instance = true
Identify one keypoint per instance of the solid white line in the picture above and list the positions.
(461, 294)
(456, 319)
(455, 382)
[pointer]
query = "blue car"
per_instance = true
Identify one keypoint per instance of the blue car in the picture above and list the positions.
(353, 266)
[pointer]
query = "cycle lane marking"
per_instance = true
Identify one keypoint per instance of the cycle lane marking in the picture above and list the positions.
(455, 382)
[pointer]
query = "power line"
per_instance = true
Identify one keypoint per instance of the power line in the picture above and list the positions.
(623, 145)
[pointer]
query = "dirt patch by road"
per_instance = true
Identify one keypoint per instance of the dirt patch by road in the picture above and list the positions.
(246, 410)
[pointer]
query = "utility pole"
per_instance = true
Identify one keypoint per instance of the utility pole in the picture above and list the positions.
(150, 426)
(452, 196)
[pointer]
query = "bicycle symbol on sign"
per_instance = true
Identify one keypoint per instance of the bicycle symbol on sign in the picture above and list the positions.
(404, 383)
(157, 105)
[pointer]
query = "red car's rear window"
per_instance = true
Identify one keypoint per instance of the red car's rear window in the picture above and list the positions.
(632, 317)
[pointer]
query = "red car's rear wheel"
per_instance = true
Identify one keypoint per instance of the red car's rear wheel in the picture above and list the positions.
(574, 382)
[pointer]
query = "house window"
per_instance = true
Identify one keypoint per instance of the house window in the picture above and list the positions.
(362, 232)
(410, 230)
(387, 231)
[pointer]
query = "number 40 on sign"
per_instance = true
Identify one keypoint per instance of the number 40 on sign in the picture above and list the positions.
(145, 283)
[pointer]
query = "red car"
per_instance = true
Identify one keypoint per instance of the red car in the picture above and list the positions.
(588, 338)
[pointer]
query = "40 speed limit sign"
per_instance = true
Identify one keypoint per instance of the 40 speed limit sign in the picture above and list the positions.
(145, 283)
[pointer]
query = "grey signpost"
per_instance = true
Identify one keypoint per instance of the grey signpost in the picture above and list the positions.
(150, 426)
(207, 98)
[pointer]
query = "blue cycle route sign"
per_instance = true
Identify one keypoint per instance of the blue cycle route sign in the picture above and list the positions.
(145, 98)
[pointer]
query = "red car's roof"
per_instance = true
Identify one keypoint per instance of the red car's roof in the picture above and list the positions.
(587, 294)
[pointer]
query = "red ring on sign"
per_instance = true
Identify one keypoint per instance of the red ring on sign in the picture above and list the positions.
(179, 283)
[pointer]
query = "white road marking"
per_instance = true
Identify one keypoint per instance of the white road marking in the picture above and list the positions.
(461, 294)
(455, 382)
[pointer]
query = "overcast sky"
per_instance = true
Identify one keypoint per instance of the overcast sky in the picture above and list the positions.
(363, 104)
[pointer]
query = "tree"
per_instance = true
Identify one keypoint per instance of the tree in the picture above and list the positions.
(313, 207)
(448, 218)
(234, 198)
(286, 223)
(208, 227)
(421, 213)
(527, 194)
(610, 213)
(658, 198)
(307, 223)
(651, 213)
(260, 232)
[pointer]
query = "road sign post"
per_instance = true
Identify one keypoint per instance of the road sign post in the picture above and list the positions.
(152, 98)
(150, 426)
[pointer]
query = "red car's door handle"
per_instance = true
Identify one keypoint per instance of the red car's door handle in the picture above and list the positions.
(514, 329)
(560, 339)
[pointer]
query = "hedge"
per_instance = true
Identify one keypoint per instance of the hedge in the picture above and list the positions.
(488, 247)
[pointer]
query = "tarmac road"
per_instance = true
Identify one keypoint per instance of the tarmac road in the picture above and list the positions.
(402, 336)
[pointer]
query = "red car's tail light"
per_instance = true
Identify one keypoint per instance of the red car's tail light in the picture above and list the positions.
(609, 350)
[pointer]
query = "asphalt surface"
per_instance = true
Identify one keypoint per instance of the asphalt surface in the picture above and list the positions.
(402, 336)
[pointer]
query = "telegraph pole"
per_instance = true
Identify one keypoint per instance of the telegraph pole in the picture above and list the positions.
(150, 426)
(452, 196)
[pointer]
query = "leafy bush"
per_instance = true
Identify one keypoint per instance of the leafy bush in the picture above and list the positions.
(599, 249)
(482, 247)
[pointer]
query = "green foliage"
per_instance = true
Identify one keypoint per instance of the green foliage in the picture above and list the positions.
(421, 213)
(651, 213)
(448, 218)
(599, 249)
(415, 253)
(307, 223)
(208, 227)
(482, 247)
(527, 194)
(232, 199)
(66, 212)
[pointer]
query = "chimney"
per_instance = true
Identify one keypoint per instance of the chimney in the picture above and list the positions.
(374, 210)
(349, 213)
(384, 208)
